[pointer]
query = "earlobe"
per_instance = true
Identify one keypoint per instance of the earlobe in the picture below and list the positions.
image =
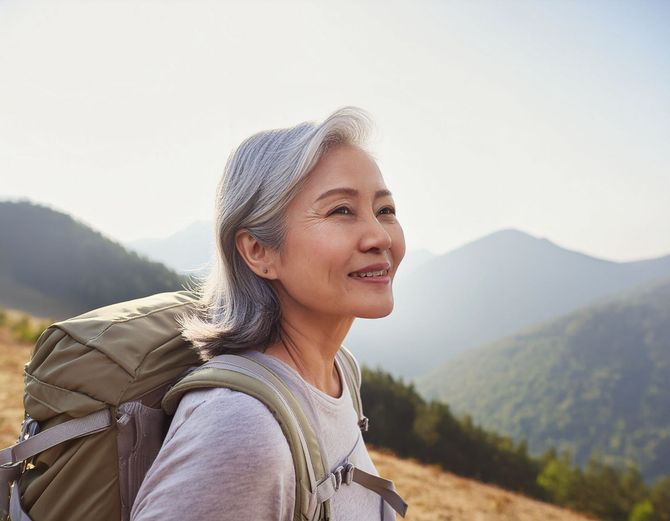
(256, 255)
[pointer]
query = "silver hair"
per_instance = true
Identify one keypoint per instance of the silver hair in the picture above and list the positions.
(237, 309)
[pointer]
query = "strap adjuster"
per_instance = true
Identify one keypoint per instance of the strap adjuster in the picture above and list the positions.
(364, 423)
(349, 473)
(342, 474)
(336, 476)
(29, 428)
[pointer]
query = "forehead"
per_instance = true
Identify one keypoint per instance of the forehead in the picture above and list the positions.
(344, 166)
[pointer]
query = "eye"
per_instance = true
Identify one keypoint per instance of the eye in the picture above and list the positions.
(342, 210)
(387, 210)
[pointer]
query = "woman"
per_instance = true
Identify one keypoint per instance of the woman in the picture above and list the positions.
(307, 240)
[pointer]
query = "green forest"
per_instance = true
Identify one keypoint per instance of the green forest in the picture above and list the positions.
(401, 420)
(595, 380)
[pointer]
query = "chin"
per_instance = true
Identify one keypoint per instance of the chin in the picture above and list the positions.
(375, 312)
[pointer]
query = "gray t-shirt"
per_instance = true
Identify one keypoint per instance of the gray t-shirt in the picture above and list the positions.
(225, 457)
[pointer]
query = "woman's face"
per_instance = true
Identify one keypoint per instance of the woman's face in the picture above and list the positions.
(341, 233)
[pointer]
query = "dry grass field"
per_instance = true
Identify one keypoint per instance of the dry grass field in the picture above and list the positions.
(436, 495)
(433, 495)
(13, 357)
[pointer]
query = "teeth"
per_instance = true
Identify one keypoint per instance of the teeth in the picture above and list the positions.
(371, 273)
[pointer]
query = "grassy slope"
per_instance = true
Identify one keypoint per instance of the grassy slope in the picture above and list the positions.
(13, 356)
(433, 495)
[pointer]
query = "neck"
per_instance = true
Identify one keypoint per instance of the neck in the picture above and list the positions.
(309, 344)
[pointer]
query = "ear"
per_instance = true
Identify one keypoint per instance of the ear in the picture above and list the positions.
(257, 256)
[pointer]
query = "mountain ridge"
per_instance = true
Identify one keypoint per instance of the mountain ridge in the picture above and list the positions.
(485, 290)
(54, 265)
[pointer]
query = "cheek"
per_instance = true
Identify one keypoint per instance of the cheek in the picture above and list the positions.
(317, 257)
(330, 255)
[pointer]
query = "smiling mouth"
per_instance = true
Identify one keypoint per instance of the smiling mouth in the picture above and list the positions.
(366, 274)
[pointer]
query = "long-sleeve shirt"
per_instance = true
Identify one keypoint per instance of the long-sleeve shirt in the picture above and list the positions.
(225, 457)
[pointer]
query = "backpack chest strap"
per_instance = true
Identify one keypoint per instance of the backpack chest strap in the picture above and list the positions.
(348, 474)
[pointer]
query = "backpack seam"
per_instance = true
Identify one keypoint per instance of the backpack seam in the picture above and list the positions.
(140, 366)
(120, 321)
(62, 389)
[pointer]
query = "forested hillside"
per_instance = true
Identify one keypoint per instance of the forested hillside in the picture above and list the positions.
(53, 265)
(596, 380)
(404, 422)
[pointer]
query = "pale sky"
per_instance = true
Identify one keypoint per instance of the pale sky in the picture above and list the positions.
(548, 116)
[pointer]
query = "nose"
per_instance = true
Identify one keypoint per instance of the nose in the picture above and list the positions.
(375, 236)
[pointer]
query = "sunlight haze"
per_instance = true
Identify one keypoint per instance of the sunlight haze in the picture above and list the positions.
(548, 117)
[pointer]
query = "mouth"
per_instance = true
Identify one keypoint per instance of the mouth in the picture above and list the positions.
(369, 274)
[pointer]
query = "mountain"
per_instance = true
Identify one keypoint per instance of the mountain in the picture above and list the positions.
(483, 291)
(413, 260)
(187, 251)
(594, 380)
(52, 265)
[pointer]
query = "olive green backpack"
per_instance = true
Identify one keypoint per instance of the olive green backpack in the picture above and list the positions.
(99, 391)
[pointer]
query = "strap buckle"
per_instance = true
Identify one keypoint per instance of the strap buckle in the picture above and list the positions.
(343, 474)
(349, 473)
(29, 428)
(363, 424)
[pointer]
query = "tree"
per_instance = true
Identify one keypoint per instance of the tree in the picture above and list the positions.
(660, 498)
(643, 511)
(557, 478)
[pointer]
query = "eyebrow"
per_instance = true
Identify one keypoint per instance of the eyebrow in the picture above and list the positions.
(352, 192)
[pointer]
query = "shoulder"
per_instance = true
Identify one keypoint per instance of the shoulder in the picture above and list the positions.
(224, 450)
(223, 403)
(234, 421)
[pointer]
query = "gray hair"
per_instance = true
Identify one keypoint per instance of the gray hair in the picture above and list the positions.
(237, 309)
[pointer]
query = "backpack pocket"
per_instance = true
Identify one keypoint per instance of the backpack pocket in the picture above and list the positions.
(139, 438)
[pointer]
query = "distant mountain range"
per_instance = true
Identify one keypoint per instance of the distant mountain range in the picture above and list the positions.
(188, 251)
(483, 291)
(591, 373)
(597, 379)
(54, 266)
(447, 304)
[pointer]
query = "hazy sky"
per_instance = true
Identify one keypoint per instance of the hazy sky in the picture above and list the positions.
(552, 116)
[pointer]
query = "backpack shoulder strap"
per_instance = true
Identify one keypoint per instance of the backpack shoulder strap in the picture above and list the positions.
(315, 484)
(250, 377)
(352, 376)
